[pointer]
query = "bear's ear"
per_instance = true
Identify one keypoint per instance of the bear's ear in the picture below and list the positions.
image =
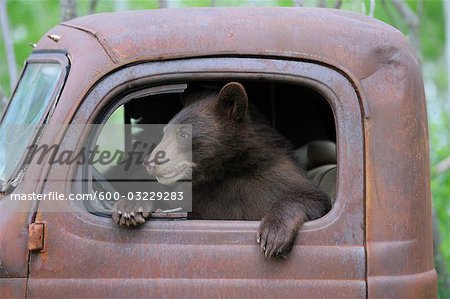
(232, 101)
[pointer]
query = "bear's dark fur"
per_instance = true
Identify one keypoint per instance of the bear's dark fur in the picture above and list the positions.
(244, 170)
(241, 168)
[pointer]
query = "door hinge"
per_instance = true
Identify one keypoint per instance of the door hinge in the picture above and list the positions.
(36, 236)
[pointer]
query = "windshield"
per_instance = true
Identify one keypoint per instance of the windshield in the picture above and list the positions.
(25, 113)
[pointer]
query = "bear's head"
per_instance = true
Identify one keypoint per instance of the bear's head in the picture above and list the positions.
(202, 137)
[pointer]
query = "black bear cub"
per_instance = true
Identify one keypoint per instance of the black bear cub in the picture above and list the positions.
(241, 169)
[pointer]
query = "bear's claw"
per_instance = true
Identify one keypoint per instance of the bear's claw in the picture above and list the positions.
(275, 237)
(129, 213)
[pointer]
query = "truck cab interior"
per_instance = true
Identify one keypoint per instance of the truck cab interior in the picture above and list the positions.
(300, 114)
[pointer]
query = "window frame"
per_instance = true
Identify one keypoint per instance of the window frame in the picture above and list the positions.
(55, 57)
(348, 213)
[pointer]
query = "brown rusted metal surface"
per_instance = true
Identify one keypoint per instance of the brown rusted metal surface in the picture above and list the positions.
(213, 250)
(376, 241)
(36, 236)
(14, 238)
(13, 287)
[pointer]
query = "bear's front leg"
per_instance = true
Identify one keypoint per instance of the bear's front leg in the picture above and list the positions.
(278, 230)
(131, 212)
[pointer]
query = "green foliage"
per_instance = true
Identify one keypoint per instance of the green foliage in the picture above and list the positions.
(29, 20)
(284, 3)
(200, 3)
(432, 31)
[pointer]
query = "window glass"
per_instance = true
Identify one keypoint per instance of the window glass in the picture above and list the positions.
(24, 114)
(112, 138)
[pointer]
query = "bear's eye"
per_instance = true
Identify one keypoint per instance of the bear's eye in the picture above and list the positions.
(183, 135)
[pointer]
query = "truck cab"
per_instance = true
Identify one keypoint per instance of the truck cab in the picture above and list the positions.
(346, 90)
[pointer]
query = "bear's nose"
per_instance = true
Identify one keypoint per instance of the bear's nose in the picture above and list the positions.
(149, 164)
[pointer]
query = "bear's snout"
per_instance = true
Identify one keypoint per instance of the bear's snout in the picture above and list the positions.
(149, 164)
(167, 171)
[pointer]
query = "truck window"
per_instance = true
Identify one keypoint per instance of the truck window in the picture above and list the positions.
(300, 114)
(28, 107)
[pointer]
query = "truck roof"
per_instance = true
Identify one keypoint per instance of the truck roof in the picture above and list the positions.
(345, 40)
